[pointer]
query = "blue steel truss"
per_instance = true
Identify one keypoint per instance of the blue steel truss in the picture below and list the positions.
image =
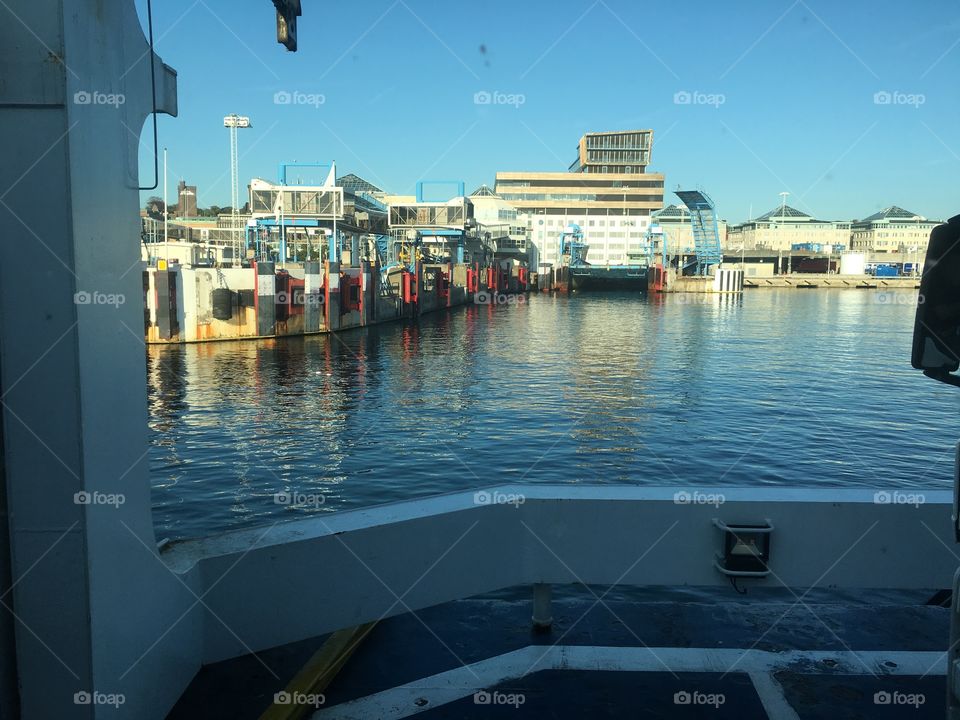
(706, 235)
(459, 183)
(572, 245)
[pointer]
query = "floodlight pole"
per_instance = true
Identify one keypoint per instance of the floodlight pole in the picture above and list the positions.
(233, 122)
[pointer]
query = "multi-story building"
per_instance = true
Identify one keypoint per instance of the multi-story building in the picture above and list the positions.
(785, 227)
(613, 210)
(622, 151)
(892, 230)
(607, 192)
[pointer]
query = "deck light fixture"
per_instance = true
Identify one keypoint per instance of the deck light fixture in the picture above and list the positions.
(746, 549)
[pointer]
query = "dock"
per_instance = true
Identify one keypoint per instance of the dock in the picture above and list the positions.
(811, 280)
(800, 281)
(318, 258)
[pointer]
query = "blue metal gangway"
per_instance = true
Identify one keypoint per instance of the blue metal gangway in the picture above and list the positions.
(706, 235)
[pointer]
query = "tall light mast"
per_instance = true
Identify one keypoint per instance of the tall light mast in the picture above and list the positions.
(235, 122)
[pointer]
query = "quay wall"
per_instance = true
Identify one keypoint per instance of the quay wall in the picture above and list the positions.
(196, 304)
(802, 281)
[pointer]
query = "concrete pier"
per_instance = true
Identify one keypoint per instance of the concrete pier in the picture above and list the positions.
(195, 304)
(691, 284)
(806, 280)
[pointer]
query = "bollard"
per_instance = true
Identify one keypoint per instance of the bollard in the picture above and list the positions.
(312, 296)
(332, 299)
(265, 301)
(542, 607)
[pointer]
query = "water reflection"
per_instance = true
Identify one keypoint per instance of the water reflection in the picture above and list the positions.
(772, 387)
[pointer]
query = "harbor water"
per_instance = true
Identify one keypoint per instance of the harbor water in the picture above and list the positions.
(774, 387)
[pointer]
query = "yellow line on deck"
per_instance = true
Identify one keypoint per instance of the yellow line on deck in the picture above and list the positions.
(317, 674)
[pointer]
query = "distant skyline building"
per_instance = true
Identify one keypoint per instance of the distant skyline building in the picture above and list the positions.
(186, 200)
(892, 230)
(785, 227)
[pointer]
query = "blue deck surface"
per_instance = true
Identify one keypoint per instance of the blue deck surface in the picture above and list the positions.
(598, 695)
(408, 648)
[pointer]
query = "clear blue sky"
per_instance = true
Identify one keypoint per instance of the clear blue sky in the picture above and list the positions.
(797, 79)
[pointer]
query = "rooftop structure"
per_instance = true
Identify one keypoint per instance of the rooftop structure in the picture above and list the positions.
(356, 184)
(621, 151)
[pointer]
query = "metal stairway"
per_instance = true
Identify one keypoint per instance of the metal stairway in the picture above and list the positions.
(706, 236)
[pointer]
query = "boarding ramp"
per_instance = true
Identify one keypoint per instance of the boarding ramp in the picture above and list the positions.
(706, 234)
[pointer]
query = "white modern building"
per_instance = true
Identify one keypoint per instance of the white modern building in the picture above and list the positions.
(607, 192)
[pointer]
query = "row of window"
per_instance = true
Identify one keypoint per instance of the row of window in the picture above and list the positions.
(886, 233)
(615, 169)
(602, 211)
(427, 215)
(597, 245)
(579, 221)
(583, 197)
(612, 157)
(619, 140)
(580, 181)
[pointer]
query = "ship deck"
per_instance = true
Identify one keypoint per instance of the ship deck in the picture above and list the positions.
(615, 652)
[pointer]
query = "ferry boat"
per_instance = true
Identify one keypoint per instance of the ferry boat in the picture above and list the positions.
(580, 274)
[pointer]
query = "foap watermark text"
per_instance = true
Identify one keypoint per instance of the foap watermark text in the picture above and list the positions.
(299, 499)
(94, 497)
(698, 497)
(496, 697)
(495, 497)
(485, 297)
(896, 697)
(695, 97)
(95, 97)
(695, 697)
(485, 97)
(896, 97)
(295, 97)
(95, 297)
(898, 497)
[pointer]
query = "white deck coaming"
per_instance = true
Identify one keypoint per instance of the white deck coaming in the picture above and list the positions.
(265, 587)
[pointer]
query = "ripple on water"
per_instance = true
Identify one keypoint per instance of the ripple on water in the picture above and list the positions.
(774, 388)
